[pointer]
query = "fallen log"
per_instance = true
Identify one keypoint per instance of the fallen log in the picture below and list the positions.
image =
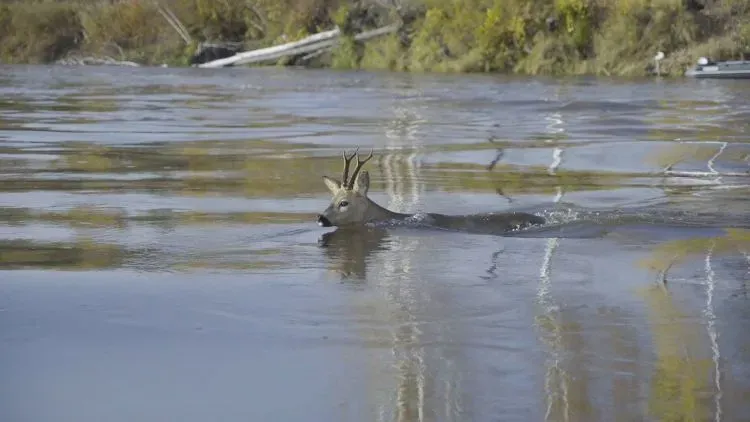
(271, 52)
(95, 61)
(208, 52)
(359, 37)
(315, 43)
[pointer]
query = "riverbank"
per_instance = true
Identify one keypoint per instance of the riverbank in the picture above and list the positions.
(618, 37)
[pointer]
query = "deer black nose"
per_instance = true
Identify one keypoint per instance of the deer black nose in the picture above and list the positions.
(324, 222)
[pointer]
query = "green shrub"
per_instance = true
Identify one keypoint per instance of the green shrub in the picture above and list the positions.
(638, 30)
(576, 21)
(128, 25)
(428, 49)
(386, 53)
(346, 54)
(38, 32)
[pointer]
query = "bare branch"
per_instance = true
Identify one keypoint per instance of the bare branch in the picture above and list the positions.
(177, 21)
(174, 22)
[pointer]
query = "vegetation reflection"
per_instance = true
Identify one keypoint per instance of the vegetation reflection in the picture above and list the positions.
(682, 382)
(665, 255)
(79, 254)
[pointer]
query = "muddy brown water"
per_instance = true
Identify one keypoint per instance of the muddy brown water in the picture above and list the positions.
(159, 257)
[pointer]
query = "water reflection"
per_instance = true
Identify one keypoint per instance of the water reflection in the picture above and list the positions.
(417, 396)
(348, 250)
(681, 386)
(666, 254)
(81, 254)
(557, 380)
(422, 382)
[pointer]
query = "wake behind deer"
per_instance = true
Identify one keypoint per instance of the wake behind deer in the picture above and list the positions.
(350, 207)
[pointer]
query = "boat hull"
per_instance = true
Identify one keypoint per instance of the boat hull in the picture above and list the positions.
(721, 70)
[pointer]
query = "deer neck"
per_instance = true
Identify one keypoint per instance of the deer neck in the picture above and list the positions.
(376, 212)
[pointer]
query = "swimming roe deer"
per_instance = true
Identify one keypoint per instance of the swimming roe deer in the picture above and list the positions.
(350, 206)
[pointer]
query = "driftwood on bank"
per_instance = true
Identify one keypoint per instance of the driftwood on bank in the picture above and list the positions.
(95, 61)
(313, 44)
(208, 52)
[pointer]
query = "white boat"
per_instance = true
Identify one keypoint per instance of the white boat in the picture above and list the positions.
(734, 69)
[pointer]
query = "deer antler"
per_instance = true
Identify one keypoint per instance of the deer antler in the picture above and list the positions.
(357, 169)
(347, 161)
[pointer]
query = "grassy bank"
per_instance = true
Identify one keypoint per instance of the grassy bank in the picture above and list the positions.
(606, 37)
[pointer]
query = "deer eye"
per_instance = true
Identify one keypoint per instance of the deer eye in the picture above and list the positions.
(343, 204)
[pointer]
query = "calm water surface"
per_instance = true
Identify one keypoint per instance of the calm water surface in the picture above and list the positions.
(160, 259)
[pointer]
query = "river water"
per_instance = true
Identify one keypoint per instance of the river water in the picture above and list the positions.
(160, 258)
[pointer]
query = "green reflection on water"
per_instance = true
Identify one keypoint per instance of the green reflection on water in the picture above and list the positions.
(696, 121)
(667, 254)
(681, 386)
(259, 168)
(80, 254)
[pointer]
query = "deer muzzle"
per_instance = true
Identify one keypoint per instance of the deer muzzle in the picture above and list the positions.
(323, 221)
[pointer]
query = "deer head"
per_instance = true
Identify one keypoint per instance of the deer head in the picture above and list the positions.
(350, 204)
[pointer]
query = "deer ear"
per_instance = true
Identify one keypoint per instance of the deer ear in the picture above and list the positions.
(362, 184)
(333, 185)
